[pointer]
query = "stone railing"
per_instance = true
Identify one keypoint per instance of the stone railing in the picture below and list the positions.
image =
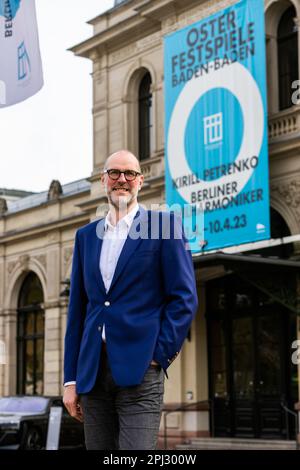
(284, 124)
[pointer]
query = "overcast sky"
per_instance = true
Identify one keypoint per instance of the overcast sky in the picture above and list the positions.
(49, 136)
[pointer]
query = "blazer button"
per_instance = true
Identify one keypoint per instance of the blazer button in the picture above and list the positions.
(99, 328)
(107, 303)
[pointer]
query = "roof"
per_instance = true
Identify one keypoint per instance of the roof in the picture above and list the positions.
(246, 261)
(15, 193)
(34, 200)
(117, 4)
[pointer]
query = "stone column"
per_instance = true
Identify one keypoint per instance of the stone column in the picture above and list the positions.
(100, 108)
(63, 323)
(100, 118)
(172, 399)
(52, 359)
(195, 420)
(52, 348)
(9, 372)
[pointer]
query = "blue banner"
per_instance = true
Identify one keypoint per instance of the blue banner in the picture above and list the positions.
(216, 127)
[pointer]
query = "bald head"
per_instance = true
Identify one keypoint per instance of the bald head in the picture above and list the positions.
(122, 192)
(122, 157)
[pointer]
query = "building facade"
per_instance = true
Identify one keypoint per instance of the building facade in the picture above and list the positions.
(235, 374)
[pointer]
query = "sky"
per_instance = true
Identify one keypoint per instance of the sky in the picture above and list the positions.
(49, 135)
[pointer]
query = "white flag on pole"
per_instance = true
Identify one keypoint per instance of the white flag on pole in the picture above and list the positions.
(21, 74)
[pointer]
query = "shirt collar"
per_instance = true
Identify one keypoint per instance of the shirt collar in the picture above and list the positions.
(127, 219)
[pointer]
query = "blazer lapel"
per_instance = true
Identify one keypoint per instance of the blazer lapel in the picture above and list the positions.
(136, 234)
(99, 241)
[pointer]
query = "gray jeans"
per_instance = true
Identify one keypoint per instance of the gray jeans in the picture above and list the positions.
(124, 418)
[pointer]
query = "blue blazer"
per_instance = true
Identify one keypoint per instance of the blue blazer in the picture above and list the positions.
(147, 311)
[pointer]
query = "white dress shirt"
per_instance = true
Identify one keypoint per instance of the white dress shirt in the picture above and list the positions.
(113, 241)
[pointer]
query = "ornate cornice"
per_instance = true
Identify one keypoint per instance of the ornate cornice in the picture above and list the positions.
(23, 262)
(289, 191)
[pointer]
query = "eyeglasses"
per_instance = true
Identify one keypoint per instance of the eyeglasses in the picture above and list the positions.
(129, 175)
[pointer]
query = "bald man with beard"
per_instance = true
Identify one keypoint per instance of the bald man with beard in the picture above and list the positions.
(132, 300)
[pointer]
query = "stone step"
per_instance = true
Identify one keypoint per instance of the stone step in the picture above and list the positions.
(237, 444)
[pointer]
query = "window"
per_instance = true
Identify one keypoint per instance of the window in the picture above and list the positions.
(30, 337)
(145, 117)
(287, 38)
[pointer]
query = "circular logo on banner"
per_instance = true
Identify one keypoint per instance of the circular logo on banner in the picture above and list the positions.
(238, 81)
(9, 9)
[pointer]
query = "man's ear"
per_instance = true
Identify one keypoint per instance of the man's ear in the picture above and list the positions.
(141, 181)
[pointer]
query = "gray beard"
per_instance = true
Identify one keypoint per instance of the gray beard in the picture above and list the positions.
(122, 203)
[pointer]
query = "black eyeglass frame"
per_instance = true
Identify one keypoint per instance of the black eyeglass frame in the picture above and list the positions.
(133, 172)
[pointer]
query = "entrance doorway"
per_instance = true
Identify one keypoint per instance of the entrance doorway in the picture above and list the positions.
(250, 367)
(30, 337)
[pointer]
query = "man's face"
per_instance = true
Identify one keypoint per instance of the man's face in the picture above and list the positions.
(122, 194)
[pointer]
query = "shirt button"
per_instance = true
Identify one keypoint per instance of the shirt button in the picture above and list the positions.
(99, 328)
(107, 303)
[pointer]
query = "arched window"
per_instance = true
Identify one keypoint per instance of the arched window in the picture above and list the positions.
(145, 117)
(287, 38)
(30, 337)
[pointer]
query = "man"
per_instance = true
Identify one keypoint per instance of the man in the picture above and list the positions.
(132, 300)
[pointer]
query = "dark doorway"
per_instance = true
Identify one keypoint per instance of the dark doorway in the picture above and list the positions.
(250, 365)
(145, 117)
(30, 337)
